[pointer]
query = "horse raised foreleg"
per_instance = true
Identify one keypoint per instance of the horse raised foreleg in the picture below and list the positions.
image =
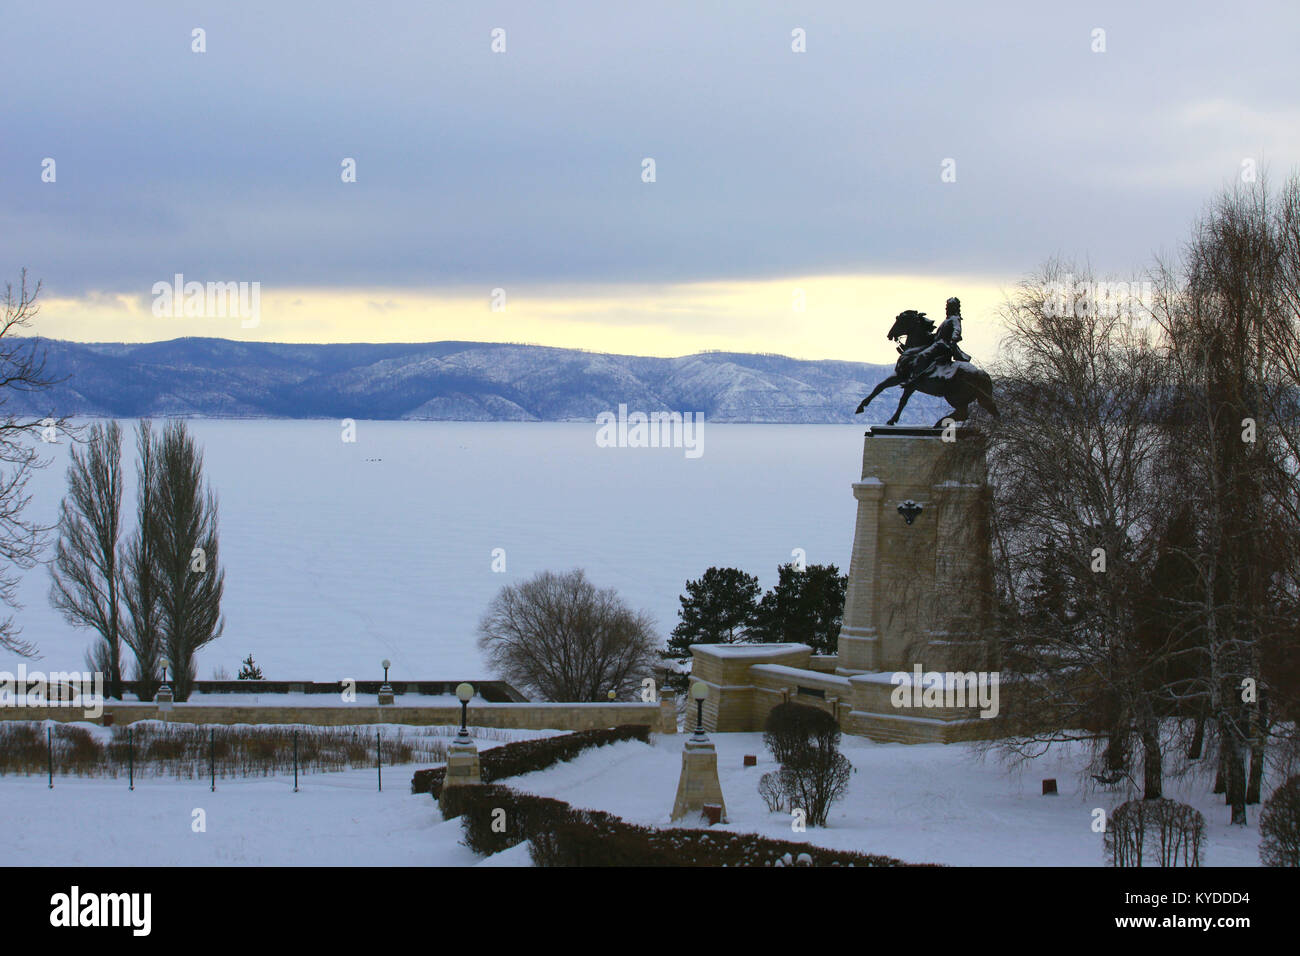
(902, 403)
(887, 383)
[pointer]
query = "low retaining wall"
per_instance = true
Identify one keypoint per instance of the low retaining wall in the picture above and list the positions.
(661, 717)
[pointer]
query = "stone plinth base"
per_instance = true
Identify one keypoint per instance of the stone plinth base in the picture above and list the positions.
(164, 698)
(698, 784)
(462, 764)
(667, 712)
(900, 729)
(385, 695)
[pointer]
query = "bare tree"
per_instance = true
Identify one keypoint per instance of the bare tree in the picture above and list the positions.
(189, 574)
(1077, 516)
(1229, 315)
(22, 370)
(558, 637)
(85, 579)
(141, 586)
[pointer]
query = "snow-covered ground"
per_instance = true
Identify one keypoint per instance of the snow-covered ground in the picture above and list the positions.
(335, 819)
(929, 803)
(339, 555)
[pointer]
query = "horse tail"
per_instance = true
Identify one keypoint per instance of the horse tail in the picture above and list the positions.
(981, 385)
(984, 394)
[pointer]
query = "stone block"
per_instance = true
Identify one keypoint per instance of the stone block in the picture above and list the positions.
(698, 784)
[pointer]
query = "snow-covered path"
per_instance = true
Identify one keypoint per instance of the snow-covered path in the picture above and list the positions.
(931, 803)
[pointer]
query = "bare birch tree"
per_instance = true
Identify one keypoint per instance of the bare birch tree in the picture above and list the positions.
(85, 577)
(1077, 516)
(22, 370)
(141, 585)
(189, 573)
(1232, 330)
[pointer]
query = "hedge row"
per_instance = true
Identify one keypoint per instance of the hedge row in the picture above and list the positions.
(496, 818)
(527, 756)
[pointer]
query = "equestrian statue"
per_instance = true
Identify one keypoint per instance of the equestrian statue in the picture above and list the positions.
(931, 361)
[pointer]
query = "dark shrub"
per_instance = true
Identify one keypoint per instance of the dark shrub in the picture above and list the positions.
(790, 727)
(1279, 826)
(814, 774)
(527, 756)
(1160, 832)
(589, 838)
(813, 779)
(496, 817)
(770, 789)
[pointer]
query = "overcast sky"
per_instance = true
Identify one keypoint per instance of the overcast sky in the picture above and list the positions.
(522, 170)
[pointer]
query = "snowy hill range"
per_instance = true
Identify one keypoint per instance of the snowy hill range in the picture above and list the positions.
(448, 381)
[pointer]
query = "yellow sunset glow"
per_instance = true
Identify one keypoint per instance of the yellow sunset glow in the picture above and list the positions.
(842, 317)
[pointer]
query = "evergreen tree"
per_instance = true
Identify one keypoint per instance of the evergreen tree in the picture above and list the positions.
(716, 609)
(805, 607)
(248, 669)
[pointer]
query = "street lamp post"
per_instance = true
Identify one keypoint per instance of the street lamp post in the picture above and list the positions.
(698, 789)
(164, 696)
(462, 755)
(699, 691)
(464, 692)
(385, 691)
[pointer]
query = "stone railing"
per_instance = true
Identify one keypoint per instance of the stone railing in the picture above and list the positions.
(661, 716)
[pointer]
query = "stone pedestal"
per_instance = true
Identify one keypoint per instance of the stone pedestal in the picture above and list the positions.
(385, 695)
(920, 579)
(698, 784)
(164, 698)
(462, 763)
(920, 595)
(920, 585)
(667, 711)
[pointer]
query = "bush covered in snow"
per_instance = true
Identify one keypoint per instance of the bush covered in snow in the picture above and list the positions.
(496, 818)
(1159, 832)
(773, 794)
(792, 727)
(814, 774)
(1279, 826)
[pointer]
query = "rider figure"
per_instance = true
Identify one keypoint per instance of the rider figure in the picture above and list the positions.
(944, 349)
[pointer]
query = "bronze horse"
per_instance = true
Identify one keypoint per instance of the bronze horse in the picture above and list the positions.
(958, 384)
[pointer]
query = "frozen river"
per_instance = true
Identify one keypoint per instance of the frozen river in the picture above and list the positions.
(338, 554)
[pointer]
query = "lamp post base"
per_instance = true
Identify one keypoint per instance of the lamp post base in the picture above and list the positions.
(462, 763)
(698, 784)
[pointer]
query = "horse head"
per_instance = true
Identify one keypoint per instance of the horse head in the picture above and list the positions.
(909, 322)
